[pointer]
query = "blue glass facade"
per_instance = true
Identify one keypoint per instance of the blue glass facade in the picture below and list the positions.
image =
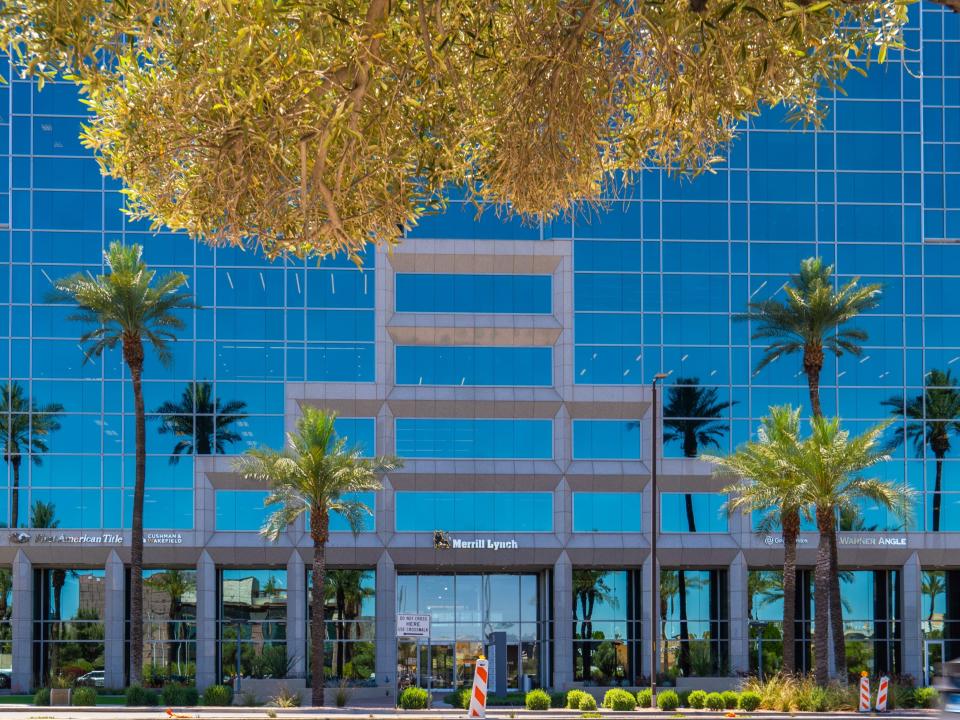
(508, 365)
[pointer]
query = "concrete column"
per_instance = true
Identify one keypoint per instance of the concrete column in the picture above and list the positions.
(912, 648)
(562, 623)
(22, 619)
(114, 622)
(739, 616)
(386, 626)
(206, 621)
(297, 615)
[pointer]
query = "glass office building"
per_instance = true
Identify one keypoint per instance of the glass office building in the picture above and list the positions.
(508, 365)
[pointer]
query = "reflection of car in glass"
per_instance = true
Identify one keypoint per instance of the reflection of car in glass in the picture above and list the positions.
(93, 678)
(948, 683)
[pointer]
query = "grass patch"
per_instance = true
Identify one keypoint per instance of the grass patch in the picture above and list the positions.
(28, 699)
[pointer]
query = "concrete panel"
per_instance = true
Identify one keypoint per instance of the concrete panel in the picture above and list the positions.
(22, 619)
(113, 623)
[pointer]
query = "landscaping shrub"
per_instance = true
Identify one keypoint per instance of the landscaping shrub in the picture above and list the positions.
(730, 699)
(42, 696)
(697, 700)
(537, 700)
(749, 701)
(573, 699)
(459, 698)
(413, 698)
(588, 703)
(619, 699)
(558, 699)
(218, 695)
(644, 697)
(715, 701)
(141, 697)
(926, 697)
(175, 694)
(684, 696)
(84, 696)
(668, 700)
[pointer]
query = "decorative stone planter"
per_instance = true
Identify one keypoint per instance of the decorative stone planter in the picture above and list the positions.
(267, 689)
(61, 696)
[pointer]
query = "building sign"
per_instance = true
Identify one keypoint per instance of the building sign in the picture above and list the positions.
(443, 541)
(873, 539)
(163, 538)
(410, 625)
(778, 540)
(83, 538)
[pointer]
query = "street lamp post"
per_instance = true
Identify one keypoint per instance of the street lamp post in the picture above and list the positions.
(654, 584)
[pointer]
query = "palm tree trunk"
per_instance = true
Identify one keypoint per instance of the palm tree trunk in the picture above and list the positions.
(812, 365)
(836, 611)
(15, 492)
(319, 533)
(133, 354)
(684, 658)
(791, 530)
(938, 480)
(821, 595)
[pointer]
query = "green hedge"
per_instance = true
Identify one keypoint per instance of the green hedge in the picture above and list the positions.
(668, 700)
(926, 697)
(573, 699)
(177, 695)
(413, 698)
(83, 696)
(715, 701)
(588, 703)
(537, 700)
(619, 699)
(644, 698)
(141, 697)
(218, 696)
(749, 701)
(730, 699)
(42, 696)
(697, 699)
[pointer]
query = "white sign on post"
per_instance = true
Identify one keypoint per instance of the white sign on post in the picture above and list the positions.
(416, 626)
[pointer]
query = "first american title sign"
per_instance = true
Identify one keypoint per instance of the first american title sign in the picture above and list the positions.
(81, 538)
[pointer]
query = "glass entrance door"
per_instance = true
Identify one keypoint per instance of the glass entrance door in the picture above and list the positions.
(932, 657)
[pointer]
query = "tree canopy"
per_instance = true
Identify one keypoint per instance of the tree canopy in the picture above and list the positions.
(315, 127)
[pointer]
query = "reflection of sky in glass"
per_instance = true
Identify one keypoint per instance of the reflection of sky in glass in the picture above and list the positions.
(606, 440)
(708, 512)
(243, 511)
(474, 511)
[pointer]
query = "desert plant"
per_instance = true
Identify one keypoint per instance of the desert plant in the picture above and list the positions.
(588, 703)
(573, 699)
(177, 695)
(730, 699)
(248, 698)
(715, 701)
(218, 695)
(644, 698)
(85, 696)
(927, 697)
(343, 694)
(668, 700)
(749, 701)
(697, 700)
(413, 698)
(619, 699)
(537, 700)
(42, 696)
(286, 698)
(137, 696)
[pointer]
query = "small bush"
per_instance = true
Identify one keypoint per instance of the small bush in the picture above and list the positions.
(558, 699)
(85, 696)
(459, 698)
(177, 695)
(668, 700)
(730, 699)
(749, 701)
(141, 697)
(537, 700)
(588, 703)
(926, 697)
(287, 698)
(644, 697)
(715, 701)
(619, 699)
(573, 699)
(42, 696)
(413, 698)
(684, 696)
(697, 700)
(218, 695)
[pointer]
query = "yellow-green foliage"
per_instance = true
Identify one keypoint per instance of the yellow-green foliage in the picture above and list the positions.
(787, 693)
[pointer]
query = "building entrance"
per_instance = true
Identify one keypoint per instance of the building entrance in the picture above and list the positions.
(933, 651)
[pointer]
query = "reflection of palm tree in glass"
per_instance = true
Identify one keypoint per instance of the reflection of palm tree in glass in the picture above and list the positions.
(589, 588)
(937, 412)
(933, 584)
(198, 422)
(6, 582)
(677, 583)
(24, 427)
(346, 589)
(668, 589)
(174, 584)
(43, 515)
(766, 586)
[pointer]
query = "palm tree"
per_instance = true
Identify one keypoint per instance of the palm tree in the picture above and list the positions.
(44, 515)
(25, 427)
(828, 464)
(127, 308)
(767, 486)
(316, 473)
(174, 584)
(937, 412)
(346, 589)
(589, 588)
(198, 422)
(813, 320)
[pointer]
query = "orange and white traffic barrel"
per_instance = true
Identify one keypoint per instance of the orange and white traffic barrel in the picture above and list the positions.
(864, 692)
(881, 705)
(478, 697)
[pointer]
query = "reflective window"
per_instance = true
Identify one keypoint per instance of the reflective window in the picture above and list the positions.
(606, 626)
(872, 620)
(350, 612)
(69, 627)
(606, 512)
(474, 511)
(693, 512)
(244, 511)
(252, 622)
(6, 616)
(765, 609)
(427, 293)
(606, 440)
(359, 432)
(170, 624)
(475, 439)
(695, 616)
(464, 365)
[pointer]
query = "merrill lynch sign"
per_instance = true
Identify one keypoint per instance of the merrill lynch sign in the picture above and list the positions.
(483, 544)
